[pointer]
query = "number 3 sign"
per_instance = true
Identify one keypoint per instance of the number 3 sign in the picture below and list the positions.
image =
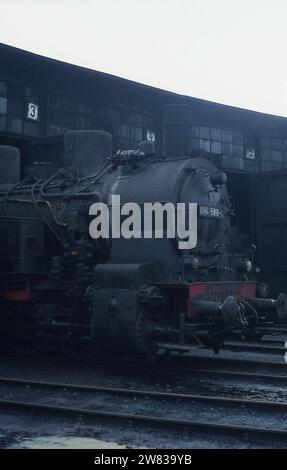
(33, 111)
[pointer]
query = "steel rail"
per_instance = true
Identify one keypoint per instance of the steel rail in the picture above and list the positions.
(198, 426)
(254, 347)
(145, 393)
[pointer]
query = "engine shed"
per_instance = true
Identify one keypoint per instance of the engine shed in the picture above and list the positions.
(42, 98)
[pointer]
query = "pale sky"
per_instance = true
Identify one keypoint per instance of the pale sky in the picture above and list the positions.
(228, 51)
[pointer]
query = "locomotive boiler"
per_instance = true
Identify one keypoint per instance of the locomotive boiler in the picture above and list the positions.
(60, 286)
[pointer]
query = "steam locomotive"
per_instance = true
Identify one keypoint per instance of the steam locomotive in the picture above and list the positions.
(61, 287)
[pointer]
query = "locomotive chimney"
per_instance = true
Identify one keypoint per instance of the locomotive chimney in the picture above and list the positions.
(177, 131)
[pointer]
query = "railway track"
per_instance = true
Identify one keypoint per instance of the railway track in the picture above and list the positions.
(272, 346)
(39, 399)
(237, 375)
(278, 329)
(249, 371)
(264, 346)
(160, 372)
(213, 367)
(183, 364)
(251, 359)
(275, 341)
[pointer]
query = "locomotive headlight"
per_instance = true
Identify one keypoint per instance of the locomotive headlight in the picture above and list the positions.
(219, 178)
(244, 265)
(191, 262)
(248, 266)
(194, 262)
(263, 290)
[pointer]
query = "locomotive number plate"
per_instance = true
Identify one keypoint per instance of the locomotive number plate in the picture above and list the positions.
(213, 212)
